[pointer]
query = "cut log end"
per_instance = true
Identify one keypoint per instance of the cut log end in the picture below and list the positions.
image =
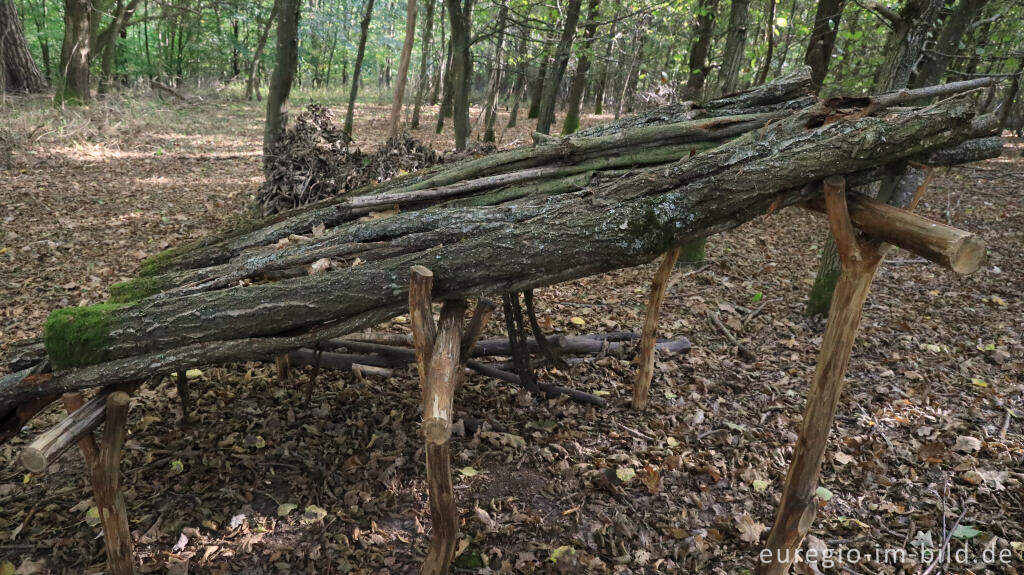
(34, 460)
(967, 255)
(421, 271)
(437, 430)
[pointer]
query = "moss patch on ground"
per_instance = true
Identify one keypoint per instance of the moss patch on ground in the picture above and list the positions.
(78, 336)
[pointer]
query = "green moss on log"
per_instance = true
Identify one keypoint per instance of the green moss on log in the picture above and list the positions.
(155, 264)
(136, 289)
(78, 336)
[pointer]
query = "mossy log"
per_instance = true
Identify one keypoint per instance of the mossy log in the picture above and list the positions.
(248, 294)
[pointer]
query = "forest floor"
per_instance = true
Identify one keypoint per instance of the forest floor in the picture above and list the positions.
(930, 431)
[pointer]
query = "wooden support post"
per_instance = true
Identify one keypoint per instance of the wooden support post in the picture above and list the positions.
(183, 395)
(283, 368)
(440, 359)
(859, 258)
(655, 298)
(106, 479)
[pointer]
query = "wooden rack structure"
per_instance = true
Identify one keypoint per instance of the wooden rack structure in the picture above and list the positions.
(442, 351)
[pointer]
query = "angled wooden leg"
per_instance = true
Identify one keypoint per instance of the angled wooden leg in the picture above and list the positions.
(87, 444)
(440, 360)
(859, 260)
(655, 298)
(106, 480)
(184, 395)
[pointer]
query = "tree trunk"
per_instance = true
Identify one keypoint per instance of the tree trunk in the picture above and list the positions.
(364, 28)
(445, 109)
(491, 111)
(520, 84)
(444, 59)
(106, 42)
(1012, 94)
(403, 69)
(538, 86)
(698, 62)
(284, 72)
(625, 103)
(554, 83)
(769, 40)
(579, 79)
(936, 60)
(422, 83)
(257, 55)
(74, 54)
(18, 71)
(735, 46)
(905, 44)
(823, 40)
(602, 81)
(459, 16)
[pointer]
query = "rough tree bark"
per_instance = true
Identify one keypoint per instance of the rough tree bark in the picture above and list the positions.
(19, 70)
(579, 79)
(936, 60)
(460, 20)
(403, 69)
(491, 105)
(823, 40)
(769, 40)
(364, 29)
(559, 211)
(421, 84)
(553, 83)
(74, 54)
(261, 44)
(698, 61)
(735, 45)
(284, 72)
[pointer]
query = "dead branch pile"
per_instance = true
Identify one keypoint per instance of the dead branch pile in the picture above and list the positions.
(316, 159)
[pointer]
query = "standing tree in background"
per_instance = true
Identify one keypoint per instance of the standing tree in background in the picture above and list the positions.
(403, 69)
(602, 79)
(823, 40)
(491, 105)
(538, 86)
(519, 85)
(735, 44)
(625, 103)
(421, 84)
(553, 83)
(459, 17)
(579, 79)
(105, 43)
(18, 71)
(284, 73)
(74, 53)
(250, 84)
(936, 60)
(698, 61)
(769, 40)
(911, 28)
(364, 30)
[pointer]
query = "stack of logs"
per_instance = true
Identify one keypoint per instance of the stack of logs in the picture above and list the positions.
(515, 220)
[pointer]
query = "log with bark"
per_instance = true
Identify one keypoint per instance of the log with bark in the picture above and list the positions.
(524, 218)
